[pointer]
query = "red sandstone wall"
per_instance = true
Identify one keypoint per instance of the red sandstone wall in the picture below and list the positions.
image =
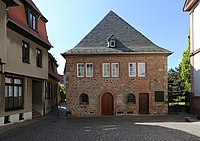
(155, 80)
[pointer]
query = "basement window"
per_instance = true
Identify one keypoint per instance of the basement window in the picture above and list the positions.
(21, 116)
(6, 119)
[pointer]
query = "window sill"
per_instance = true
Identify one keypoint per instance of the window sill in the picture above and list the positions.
(84, 103)
(35, 30)
(39, 66)
(27, 62)
(12, 109)
(130, 103)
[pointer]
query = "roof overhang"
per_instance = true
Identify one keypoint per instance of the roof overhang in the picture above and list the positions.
(189, 4)
(33, 7)
(11, 3)
(54, 76)
(125, 53)
(17, 28)
(53, 59)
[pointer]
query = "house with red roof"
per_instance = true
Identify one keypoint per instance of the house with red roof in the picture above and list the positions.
(24, 60)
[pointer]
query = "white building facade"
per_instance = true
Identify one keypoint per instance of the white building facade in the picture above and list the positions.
(193, 7)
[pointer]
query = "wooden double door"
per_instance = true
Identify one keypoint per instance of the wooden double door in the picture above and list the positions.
(107, 104)
(143, 103)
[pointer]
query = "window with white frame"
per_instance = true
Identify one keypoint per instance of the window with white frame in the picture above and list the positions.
(89, 70)
(106, 69)
(32, 21)
(115, 69)
(141, 69)
(25, 52)
(132, 69)
(39, 57)
(80, 70)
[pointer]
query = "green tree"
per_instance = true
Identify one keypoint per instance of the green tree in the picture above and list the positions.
(62, 92)
(185, 68)
(175, 81)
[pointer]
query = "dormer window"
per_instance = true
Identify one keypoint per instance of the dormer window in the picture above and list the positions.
(32, 21)
(111, 41)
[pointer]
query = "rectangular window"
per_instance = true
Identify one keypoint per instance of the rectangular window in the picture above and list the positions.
(48, 90)
(141, 69)
(39, 57)
(159, 96)
(115, 69)
(80, 70)
(132, 69)
(55, 90)
(25, 52)
(106, 69)
(32, 21)
(13, 93)
(89, 70)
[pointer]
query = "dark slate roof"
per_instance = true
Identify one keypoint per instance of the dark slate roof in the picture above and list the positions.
(128, 39)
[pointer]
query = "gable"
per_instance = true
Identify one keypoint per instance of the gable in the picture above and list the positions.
(128, 39)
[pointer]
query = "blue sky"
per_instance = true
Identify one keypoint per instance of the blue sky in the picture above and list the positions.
(161, 21)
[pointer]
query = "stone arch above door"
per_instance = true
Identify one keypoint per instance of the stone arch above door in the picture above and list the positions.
(112, 104)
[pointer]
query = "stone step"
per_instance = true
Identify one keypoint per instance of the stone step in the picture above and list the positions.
(36, 115)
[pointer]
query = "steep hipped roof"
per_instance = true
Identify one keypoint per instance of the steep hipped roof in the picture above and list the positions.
(128, 39)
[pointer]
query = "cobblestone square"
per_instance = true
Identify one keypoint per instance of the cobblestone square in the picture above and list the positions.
(106, 128)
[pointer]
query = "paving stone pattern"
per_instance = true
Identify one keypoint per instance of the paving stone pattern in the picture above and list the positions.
(119, 128)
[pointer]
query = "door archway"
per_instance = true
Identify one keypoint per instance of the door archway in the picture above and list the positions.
(107, 104)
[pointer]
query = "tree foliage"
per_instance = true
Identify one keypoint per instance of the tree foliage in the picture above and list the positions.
(175, 81)
(179, 77)
(185, 68)
(179, 80)
(62, 92)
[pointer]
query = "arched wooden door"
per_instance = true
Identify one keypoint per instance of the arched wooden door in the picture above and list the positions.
(107, 104)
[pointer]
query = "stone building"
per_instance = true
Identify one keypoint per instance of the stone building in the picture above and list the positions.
(193, 7)
(24, 57)
(115, 70)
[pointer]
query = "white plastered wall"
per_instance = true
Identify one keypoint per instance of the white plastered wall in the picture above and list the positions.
(195, 46)
(15, 118)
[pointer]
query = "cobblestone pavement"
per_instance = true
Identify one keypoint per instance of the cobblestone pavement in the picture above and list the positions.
(118, 128)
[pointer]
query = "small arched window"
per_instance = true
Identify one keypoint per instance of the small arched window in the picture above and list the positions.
(131, 98)
(84, 99)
